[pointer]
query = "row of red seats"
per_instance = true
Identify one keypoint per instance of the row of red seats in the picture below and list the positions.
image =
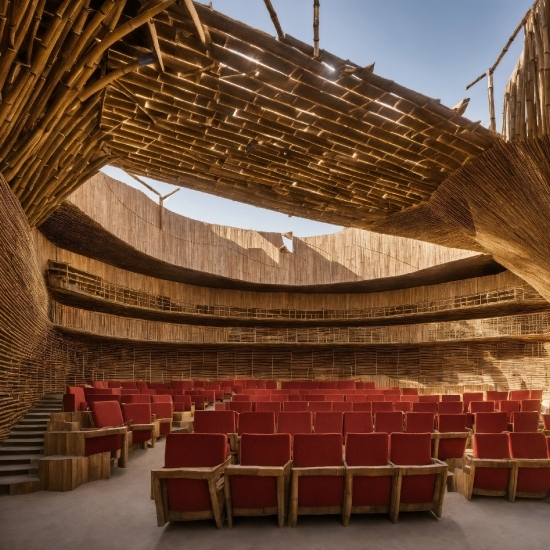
(317, 470)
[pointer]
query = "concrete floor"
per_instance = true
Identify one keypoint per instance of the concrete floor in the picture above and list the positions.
(118, 514)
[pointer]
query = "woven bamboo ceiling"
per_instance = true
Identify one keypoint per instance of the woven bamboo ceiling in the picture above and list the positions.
(182, 93)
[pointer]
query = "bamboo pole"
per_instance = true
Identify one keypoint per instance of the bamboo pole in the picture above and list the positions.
(316, 7)
(275, 19)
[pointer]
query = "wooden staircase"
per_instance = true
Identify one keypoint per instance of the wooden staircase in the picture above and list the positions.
(21, 450)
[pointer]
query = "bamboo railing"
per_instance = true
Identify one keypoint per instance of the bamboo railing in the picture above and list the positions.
(62, 275)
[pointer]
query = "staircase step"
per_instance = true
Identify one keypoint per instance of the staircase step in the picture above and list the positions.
(43, 410)
(25, 434)
(30, 427)
(20, 449)
(17, 469)
(5, 460)
(37, 415)
(19, 484)
(16, 442)
(33, 421)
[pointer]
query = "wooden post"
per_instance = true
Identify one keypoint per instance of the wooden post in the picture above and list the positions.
(316, 6)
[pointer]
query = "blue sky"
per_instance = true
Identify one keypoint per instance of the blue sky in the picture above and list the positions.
(435, 47)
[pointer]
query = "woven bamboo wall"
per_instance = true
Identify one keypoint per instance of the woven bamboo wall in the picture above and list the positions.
(269, 300)
(245, 255)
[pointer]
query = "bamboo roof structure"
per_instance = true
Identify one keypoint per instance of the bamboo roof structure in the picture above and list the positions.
(182, 93)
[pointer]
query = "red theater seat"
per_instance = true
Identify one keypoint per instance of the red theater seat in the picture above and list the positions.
(369, 475)
(382, 406)
(519, 395)
(430, 406)
(182, 403)
(404, 406)
(452, 437)
(357, 422)
(423, 478)
(490, 422)
(416, 423)
(496, 396)
(259, 484)
(488, 471)
(138, 415)
(429, 398)
(295, 406)
(268, 406)
(215, 422)
(530, 405)
(292, 423)
(530, 455)
(190, 486)
(317, 485)
(328, 422)
(342, 406)
(450, 407)
(482, 406)
(240, 406)
(74, 400)
(388, 422)
(468, 397)
(509, 407)
(164, 413)
(525, 421)
(320, 406)
(107, 414)
(257, 422)
(445, 398)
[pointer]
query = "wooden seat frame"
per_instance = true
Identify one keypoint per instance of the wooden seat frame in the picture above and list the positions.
(213, 476)
(282, 476)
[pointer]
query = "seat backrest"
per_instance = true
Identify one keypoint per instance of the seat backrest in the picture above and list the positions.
(545, 421)
(133, 398)
(382, 406)
(416, 422)
(467, 397)
(240, 406)
(295, 406)
(268, 406)
(450, 407)
(357, 422)
(138, 413)
(342, 406)
(405, 406)
(535, 394)
(425, 407)
(114, 384)
(162, 410)
(388, 421)
(494, 395)
(491, 446)
(367, 449)
(161, 398)
(279, 397)
(195, 450)
(409, 391)
(363, 407)
(215, 422)
(355, 397)
(429, 398)
(530, 405)
(295, 422)
(410, 398)
(128, 385)
(451, 423)
(264, 449)
(317, 406)
(527, 445)
(328, 422)
(508, 407)
(241, 397)
(527, 421)
(446, 397)
(491, 422)
(315, 450)
(411, 449)
(99, 384)
(141, 385)
(519, 395)
(315, 397)
(345, 384)
(257, 422)
(79, 396)
(106, 414)
(482, 406)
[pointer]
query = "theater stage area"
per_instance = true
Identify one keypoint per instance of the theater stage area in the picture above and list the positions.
(117, 514)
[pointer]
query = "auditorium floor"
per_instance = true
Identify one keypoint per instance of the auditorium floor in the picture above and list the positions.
(118, 514)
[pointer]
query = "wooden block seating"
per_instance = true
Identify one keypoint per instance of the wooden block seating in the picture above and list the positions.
(259, 485)
(191, 485)
(66, 473)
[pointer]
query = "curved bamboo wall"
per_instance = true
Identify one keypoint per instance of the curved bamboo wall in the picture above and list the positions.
(252, 256)
(269, 300)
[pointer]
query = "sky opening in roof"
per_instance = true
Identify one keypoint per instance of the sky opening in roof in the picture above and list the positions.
(435, 47)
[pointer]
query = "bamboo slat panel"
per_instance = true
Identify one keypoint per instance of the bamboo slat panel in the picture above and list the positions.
(245, 255)
(534, 326)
